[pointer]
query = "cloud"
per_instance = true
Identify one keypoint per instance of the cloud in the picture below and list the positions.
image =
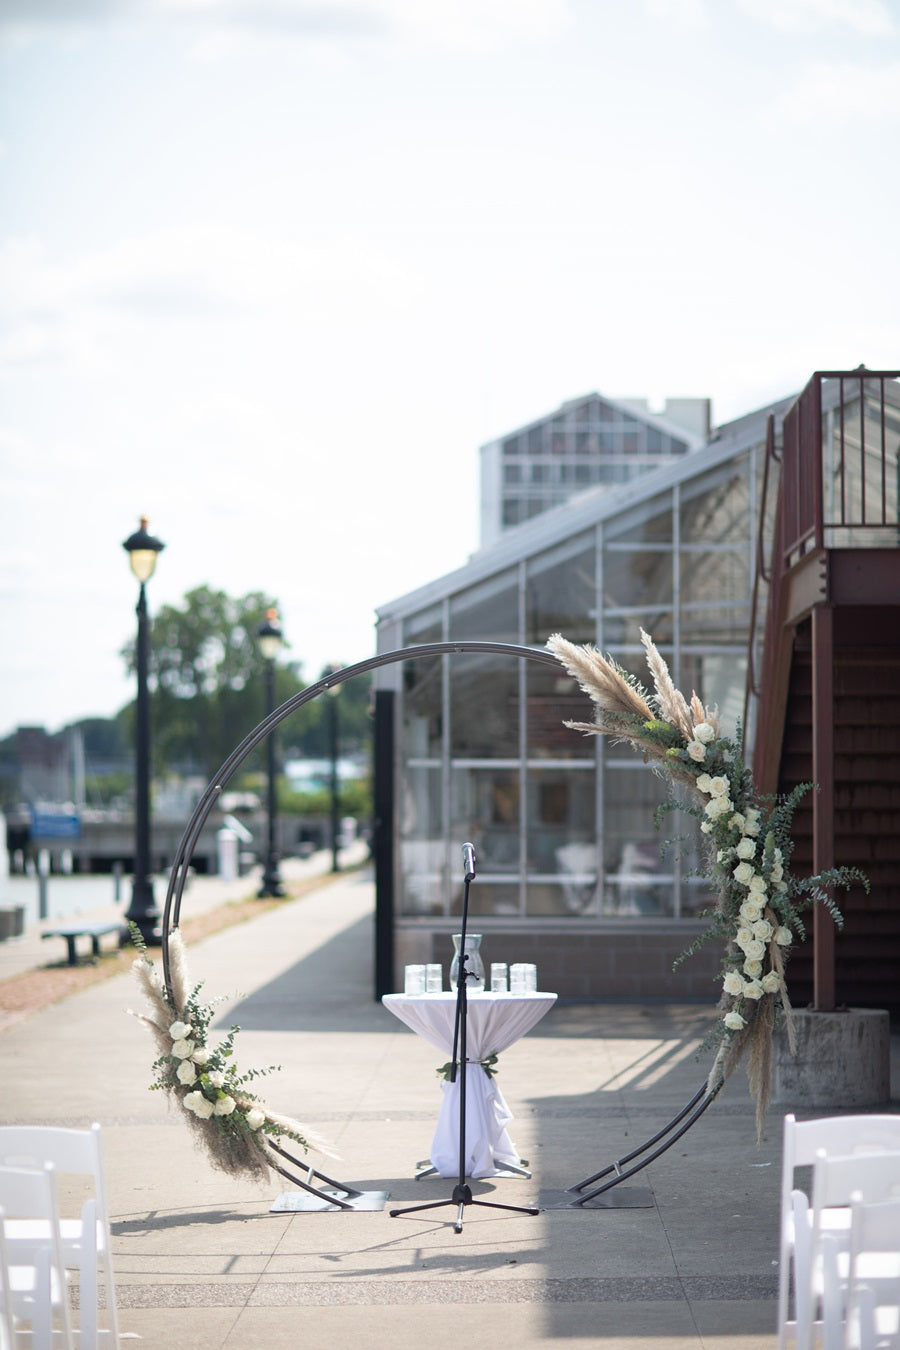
(839, 92)
(478, 25)
(688, 13)
(91, 310)
(870, 18)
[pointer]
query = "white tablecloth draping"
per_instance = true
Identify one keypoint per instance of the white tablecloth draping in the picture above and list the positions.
(494, 1023)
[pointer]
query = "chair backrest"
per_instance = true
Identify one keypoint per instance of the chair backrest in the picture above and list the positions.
(836, 1136)
(869, 1176)
(873, 1285)
(71, 1151)
(31, 1194)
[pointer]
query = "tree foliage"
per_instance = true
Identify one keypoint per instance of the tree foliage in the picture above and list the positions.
(209, 689)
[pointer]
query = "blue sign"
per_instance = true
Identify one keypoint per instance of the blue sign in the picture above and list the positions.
(55, 825)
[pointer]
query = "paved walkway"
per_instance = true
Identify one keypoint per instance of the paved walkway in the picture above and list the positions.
(202, 1261)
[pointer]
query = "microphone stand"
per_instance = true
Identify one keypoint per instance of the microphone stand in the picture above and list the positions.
(462, 1192)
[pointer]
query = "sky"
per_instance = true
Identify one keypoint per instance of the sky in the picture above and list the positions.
(271, 271)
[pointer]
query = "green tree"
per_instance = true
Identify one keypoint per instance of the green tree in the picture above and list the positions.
(208, 689)
(208, 678)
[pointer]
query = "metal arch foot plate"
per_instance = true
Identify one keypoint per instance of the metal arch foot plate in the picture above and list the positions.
(324, 1202)
(617, 1197)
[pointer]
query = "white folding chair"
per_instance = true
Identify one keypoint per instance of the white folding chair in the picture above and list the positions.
(7, 1317)
(873, 1279)
(85, 1238)
(801, 1140)
(836, 1182)
(37, 1280)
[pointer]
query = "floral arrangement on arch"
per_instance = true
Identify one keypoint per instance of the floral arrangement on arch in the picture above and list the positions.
(229, 1121)
(759, 904)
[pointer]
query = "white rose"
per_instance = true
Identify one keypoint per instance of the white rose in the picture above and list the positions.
(753, 969)
(743, 937)
(216, 1078)
(755, 950)
(752, 824)
(704, 732)
(183, 1049)
(703, 782)
(737, 820)
(200, 1055)
(771, 982)
(758, 884)
(734, 1021)
(186, 1073)
(697, 751)
(778, 856)
(719, 786)
(732, 983)
(751, 909)
(224, 1106)
(201, 1107)
(784, 937)
(763, 929)
(179, 1031)
(779, 885)
(256, 1118)
(746, 848)
(777, 872)
(706, 827)
(743, 873)
(753, 989)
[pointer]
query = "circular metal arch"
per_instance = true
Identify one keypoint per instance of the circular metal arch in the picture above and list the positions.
(185, 851)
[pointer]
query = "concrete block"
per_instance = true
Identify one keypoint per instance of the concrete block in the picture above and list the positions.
(843, 1059)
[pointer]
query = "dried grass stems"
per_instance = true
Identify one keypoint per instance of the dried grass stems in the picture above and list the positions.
(758, 904)
(232, 1126)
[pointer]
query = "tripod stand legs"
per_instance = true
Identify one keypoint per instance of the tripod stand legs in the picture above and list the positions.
(461, 1198)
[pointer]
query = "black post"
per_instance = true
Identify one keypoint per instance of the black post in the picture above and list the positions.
(143, 911)
(271, 882)
(335, 790)
(383, 840)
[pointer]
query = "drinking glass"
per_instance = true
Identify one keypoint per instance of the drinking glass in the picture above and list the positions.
(414, 980)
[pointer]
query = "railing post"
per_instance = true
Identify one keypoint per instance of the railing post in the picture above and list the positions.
(823, 798)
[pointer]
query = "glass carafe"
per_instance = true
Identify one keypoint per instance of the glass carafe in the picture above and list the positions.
(474, 963)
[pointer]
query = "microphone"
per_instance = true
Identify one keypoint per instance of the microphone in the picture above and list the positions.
(469, 861)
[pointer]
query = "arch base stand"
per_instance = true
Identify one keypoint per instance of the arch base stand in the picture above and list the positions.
(310, 1198)
(327, 1201)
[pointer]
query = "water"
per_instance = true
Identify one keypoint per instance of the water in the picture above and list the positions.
(67, 896)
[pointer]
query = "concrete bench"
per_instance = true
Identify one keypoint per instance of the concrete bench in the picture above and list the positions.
(93, 930)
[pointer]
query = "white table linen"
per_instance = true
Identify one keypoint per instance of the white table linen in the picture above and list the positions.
(494, 1023)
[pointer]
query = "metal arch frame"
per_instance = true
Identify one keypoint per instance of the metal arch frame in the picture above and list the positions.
(345, 1197)
(329, 1194)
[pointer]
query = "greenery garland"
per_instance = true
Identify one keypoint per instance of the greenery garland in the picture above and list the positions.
(760, 901)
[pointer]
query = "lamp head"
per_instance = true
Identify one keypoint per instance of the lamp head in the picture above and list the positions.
(271, 638)
(143, 549)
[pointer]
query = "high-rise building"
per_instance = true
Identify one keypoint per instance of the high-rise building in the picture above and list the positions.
(591, 441)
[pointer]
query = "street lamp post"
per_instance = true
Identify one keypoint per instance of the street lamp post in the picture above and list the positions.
(271, 640)
(333, 745)
(143, 550)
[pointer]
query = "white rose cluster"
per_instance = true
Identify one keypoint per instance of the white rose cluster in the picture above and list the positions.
(755, 931)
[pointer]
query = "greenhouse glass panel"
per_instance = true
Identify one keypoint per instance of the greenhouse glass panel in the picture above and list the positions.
(423, 861)
(639, 880)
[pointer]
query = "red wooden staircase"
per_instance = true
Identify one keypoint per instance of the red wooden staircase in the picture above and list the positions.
(824, 701)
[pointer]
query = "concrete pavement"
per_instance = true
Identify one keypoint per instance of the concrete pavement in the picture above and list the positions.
(201, 1261)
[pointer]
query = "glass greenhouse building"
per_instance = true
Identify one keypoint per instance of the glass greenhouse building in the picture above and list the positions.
(571, 869)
